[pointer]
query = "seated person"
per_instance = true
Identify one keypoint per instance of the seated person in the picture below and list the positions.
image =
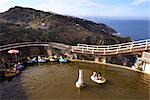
(95, 75)
(99, 75)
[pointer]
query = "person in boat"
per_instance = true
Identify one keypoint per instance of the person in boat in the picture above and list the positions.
(95, 75)
(12, 69)
(15, 68)
(99, 75)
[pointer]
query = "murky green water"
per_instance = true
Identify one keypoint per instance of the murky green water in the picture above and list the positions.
(57, 82)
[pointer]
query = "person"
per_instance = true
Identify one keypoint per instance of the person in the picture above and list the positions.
(15, 68)
(95, 75)
(99, 75)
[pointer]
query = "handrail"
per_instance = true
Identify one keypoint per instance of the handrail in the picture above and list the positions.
(113, 49)
(116, 45)
(24, 44)
(90, 49)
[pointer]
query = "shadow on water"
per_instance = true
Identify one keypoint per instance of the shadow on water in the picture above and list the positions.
(10, 86)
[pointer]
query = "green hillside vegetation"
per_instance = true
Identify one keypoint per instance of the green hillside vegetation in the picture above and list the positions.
(20, 24)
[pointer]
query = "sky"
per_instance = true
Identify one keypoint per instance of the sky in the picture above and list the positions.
(84, 8)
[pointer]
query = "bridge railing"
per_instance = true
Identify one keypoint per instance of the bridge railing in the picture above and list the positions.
(91, 49)
(60, 46)
(113, 49)
(11, 46)
(24, 43)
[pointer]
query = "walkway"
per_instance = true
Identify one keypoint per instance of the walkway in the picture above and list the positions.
(105, 50)
(24, 44)
(136, 46)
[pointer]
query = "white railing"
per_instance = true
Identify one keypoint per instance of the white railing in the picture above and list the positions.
(113, 49)
(89, 49)
(60, 46)
(23, 44)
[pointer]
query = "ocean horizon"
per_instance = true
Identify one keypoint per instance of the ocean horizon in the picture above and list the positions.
(137, 29)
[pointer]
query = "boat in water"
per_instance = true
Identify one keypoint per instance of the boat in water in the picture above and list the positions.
(52, 58)
(63, 60)
(20, 67)
(98, 78)
(42, 60)
(39, 60)
(10, 73)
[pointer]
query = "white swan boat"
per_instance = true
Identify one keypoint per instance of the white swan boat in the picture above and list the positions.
(99, 79)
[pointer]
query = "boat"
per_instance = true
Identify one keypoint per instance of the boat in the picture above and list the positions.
(98, 79)
(53, 60)
(61, 60)
(20, 67)
(9, 74)
(29, 62)
(40, 60)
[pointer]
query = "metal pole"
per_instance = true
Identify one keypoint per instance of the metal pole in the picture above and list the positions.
(16, 57)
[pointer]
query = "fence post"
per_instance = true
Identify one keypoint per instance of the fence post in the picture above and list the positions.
(92, 50)
(97, 48)
(82, 49)
(72, 50)
(146, 44)
(117, 50)
(104, 51)
(131, 46)
(108, 48)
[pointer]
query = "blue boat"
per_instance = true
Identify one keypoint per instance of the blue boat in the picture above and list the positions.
(20, 67)
(61, 60)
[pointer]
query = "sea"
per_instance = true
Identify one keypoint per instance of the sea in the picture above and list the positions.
(137, 29)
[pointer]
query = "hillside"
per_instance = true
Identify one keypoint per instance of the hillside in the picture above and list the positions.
(20, 24)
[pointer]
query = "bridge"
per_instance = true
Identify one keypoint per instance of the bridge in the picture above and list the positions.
(31, 44)
(106, 50)
(103, 50)
(24, 44)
